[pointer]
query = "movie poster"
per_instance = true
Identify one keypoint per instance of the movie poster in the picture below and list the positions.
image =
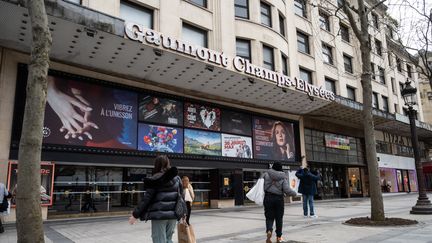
(201, 116)
(47, 180)
(236, 123)
(160, 138)
(202, 142)
(273, 140)
(85, 114)
(236, 146)
(160, 110)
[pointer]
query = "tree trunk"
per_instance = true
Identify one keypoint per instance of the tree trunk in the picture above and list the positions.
(29, 215)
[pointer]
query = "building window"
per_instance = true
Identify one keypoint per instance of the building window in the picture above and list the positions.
(327, 54)
(242, 8)
(399, 64)
(348, 63)
(330, 85)
(306, 75)
(324, 21)
(393, 85)
(375, 100)
(344, 32)
(378, 47)
(281, 24)
(396, 107)
(243, 49)
(266, 14)
(429, 95)
(375, 20)
(340, 3)
(202, 3)
(385, 104)
(268, 57)
(373, 70)
(382, 75)
(351, 93)
(194, 35)
(284, 64)
(391, 32)
(409, 71)
(300, 8)
(136, 14)
(75, 1)
(390, 59)
(303, 42)
(401, 87)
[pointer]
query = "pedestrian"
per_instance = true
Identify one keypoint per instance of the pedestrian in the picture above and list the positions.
(308, 189)
(275, 186)
(88, 201)
(159, 200)
(189, 196)
(4, 194)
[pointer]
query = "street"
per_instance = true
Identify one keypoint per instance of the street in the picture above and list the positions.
(246, 224)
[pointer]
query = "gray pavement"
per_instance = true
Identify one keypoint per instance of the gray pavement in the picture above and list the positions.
(246, 224)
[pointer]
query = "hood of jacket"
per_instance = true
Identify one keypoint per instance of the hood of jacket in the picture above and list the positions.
(161, 178)
(276, 175)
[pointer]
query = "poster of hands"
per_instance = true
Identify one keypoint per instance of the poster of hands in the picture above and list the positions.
(201, 116)
(273, 139)
(85, 114)
(236, 146)
(160, 110)
(160, 138)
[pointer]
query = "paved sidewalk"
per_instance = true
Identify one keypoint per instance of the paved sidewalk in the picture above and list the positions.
(246, 224)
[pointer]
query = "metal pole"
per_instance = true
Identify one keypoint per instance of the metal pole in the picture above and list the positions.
(423, 205)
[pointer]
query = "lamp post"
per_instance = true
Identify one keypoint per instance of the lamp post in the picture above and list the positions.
(423, 205)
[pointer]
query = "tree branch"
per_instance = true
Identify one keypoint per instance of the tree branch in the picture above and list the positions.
(375, 6)
(347, 11)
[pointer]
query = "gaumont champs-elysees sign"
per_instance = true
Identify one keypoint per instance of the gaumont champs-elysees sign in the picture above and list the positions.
(138, 33)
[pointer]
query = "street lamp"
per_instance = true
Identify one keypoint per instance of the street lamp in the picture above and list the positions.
(423, 205)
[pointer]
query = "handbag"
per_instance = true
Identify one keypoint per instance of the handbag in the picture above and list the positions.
(185, 232)
(256, 194)
(4, 205)
(180, 207)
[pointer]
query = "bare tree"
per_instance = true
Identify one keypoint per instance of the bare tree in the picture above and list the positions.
(29, 215)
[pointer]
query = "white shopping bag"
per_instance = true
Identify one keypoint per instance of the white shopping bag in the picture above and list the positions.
(256, 193)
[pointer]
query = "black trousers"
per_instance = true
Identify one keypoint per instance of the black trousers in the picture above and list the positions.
(274, 211)
(189, 209)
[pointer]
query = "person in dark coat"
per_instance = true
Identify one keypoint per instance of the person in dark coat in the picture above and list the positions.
(308, 189)
(159, 201)
(276, 185)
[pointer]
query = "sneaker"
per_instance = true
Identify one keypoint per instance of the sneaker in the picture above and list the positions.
(280, 240)
(269, 235)
(305, 216)
(314, 216)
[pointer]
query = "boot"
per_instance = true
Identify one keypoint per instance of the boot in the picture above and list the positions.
(269, 235)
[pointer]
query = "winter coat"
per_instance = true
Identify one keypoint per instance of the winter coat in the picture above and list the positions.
(276, 182)
(307, 182)
(160, 197)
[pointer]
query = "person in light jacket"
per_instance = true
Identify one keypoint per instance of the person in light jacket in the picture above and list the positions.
(159, 201)
(275, 186)
(189, 196)
(4, 194)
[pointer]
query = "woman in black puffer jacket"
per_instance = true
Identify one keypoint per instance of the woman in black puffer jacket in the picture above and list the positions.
(159, 201)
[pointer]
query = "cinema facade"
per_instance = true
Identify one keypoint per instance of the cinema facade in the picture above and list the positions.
(142, 93)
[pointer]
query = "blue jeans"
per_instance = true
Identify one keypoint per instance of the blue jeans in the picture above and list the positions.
(163, 230)
(308, 199)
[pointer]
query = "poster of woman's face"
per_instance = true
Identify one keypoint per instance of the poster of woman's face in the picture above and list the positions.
(160, 110)
(273, 140)
(201, 116)
(202, 142)
(85, 114)
(160, 138)
(236, 146)
(236, 123)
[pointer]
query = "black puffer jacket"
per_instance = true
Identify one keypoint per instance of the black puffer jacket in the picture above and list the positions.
(160, 197)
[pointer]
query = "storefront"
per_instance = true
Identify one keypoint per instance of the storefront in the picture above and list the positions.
(427, 170)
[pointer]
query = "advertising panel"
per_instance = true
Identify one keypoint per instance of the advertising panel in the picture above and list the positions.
(273, 139)
(201, 116)
(294, 182)
(236, 123)
(47, 182)
(160, 138)
(84, 114)
(202, 142)
(337, 141)
(160, 110)
(236, 146)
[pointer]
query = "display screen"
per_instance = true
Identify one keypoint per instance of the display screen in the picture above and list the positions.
(236, 146)
(201, 116)
(160, 138)
(160, 110)
(202, 142)
(237, 123)
(85, 114)
(273, 140)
